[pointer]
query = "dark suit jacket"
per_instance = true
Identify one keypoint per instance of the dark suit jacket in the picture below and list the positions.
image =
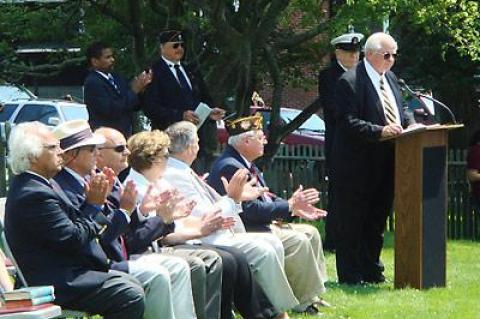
(106, 106)
(53, 243)
(359, 158)
(166, 101)
(139, 235)
(327, 81)
(257, 214)
(117, 223)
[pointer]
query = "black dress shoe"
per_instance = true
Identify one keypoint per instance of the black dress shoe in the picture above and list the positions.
(311, 310)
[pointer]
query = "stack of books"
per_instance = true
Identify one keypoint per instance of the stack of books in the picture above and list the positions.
(27, 299)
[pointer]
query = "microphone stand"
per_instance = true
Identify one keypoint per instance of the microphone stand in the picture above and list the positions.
(418, 95)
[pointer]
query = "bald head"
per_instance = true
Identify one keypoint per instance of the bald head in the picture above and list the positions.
(114, 152)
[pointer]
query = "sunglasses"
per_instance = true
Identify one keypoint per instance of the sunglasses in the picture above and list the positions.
(387, 56)
(116, 148)
(178, 44)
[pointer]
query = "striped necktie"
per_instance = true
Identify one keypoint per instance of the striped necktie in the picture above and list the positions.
(389, 108)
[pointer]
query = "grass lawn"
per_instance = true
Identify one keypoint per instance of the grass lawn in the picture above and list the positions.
(460, 299)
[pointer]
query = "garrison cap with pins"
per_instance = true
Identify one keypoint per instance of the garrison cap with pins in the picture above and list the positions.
(350, 41)
(170, 36)
(244, 124)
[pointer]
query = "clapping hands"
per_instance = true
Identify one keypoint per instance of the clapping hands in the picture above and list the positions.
(302, 204)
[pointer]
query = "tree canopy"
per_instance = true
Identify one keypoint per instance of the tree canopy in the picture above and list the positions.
(241, 45)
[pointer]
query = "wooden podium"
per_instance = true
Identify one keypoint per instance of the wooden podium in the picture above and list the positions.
(421, 206)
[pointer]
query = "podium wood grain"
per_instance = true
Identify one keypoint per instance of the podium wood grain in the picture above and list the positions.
(409, 205)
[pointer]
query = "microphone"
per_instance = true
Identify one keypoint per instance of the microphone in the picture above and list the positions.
(419, 95)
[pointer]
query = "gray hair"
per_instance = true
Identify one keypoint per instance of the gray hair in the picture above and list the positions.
(237, 139)
(25, 144)
(182, 134)
(376, 41)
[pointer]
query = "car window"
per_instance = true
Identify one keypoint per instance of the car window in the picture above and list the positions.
(313, 123)
(7, 111)
(36, 112)
(75, 113)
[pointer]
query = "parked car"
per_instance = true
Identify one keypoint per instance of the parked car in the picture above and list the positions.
(12, 92)
(311, 132)
(48, 112)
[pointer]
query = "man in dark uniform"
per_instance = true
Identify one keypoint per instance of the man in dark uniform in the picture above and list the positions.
(175, 92)
(347, 52)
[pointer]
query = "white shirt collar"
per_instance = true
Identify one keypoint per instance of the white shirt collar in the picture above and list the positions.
(372, 74)
(105, 75)
(178, 164)
(246, 161)
(38, 175)
(170, 63)
(342, 66)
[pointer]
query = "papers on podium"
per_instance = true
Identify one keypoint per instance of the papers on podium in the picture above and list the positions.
(203, 112)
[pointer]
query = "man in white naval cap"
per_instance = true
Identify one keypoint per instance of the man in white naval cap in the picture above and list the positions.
(347, 53)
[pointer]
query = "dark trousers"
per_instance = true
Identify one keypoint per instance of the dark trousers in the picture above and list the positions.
(360, 223)
(239, 285)
(119, 297)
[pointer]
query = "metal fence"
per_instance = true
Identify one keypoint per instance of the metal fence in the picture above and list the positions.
(305, 165)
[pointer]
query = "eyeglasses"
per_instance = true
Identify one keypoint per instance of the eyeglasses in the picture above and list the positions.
(178, 44)
(52, 147)
(387, 55)
(116, 148)
(89, 148)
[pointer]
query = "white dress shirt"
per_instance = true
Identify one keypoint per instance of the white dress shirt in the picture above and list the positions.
(375, 78)
(171, 67)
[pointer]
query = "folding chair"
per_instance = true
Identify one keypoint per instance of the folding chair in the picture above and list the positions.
(51, 312)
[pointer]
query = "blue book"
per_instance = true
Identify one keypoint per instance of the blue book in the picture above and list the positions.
(29, 293)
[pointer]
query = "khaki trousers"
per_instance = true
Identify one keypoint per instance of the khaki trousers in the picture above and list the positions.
(304, 260)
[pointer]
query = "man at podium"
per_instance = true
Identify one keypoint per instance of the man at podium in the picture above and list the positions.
(369, 108)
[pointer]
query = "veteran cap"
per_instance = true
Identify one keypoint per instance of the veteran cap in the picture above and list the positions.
(170, 36)
(349, 41)
(244, 124)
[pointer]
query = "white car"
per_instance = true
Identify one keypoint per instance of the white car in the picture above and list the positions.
(48, 112)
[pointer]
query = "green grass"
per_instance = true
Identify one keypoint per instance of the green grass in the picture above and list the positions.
(460, 299)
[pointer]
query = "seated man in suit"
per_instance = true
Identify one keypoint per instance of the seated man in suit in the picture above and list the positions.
(165, 279)
(304, 259)
(53, 242)
(269, 268)
(205, 265)
(110, 100)
(148, 158)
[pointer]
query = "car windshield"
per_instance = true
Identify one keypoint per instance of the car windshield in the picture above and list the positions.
(314, 122)
(75, 112)
(12, 93)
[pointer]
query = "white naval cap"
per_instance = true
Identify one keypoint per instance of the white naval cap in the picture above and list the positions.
(348, 41)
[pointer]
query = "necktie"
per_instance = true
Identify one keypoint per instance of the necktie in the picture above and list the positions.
(112, 82)
(390, 113)
(181, 78)
(254, 171)
(123, 247)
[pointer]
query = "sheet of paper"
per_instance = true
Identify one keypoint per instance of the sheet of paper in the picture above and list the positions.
(202, 111)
